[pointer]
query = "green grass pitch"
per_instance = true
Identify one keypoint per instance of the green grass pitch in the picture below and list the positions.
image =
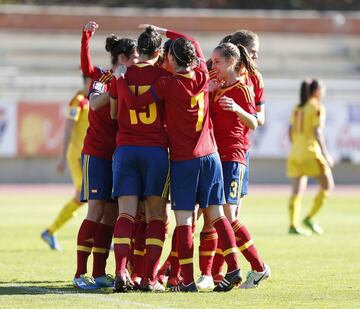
(315, 272)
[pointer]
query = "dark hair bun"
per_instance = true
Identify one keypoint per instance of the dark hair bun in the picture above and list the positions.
(149, 30)
(110, 42)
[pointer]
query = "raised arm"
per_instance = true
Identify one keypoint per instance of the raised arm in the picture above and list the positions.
(173, 35)
(86, 65)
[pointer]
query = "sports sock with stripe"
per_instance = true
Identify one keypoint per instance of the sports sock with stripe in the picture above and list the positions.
(101, 248)
(85, 242)
(246, 246)
(122, 241)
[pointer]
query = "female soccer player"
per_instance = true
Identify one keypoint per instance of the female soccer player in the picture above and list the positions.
(196, 174)
(96, 230)
(141, 164)
(231, 133)
(75, 130)
(253, 79)
(308, 156)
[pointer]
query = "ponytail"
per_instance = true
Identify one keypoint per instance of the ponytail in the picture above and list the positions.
(304, 92)
(246, 60)
(307, 88)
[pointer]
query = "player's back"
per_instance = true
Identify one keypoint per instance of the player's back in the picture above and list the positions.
(303, 121)
(187, 114)
(144, 127)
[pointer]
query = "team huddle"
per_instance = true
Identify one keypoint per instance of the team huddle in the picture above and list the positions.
(167, 125)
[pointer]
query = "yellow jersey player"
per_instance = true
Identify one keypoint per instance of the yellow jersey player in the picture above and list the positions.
(75, 130)
(308, 156)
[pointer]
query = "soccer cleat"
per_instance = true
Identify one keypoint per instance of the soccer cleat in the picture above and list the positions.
(105, 281)
(218, 278)
(299, 231)
(51, 240)
(173, 281)
(254, 278)
(230, 280)
(181, 287)
(120, 284)
(85, 283)
(205, 282)
(313, 226)
(123, 283)
(147, 286)
(136, 280)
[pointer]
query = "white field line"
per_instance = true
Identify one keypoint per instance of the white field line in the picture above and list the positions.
(99, 297)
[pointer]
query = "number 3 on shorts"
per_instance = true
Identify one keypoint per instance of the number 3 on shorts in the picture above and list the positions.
(199, 99)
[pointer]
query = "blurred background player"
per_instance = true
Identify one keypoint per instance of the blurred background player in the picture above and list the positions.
(308, 156)
(75, 131)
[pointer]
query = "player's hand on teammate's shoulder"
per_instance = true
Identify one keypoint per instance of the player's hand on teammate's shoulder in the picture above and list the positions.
(120, 71)
(228, 104)
(91, 26)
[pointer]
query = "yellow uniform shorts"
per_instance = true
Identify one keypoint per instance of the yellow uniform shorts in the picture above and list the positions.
(310, 164)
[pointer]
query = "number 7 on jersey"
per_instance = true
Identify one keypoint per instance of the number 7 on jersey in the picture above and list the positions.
(199, 99)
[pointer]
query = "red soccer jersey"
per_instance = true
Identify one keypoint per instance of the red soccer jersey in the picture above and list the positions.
(230, 133)
(186, 102)
(143, 127)
(187, 114)
(100, 136)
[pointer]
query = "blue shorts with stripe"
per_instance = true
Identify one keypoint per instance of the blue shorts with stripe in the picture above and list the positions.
(97, 179)
(141, 170)
(245, 182)
(194, 181)
(233, 177)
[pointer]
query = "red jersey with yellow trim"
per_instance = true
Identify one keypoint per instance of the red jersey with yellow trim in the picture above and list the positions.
(186, 99)
(230, 133)
(100, 136)
(143, 127)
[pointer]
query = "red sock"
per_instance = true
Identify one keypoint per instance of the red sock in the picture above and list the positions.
(185, 250)
(227, 242)
(208, 244)
(218, 261)
(122, 241)
(246, 246)
(101, 248)
(155, 236)
(85, 242)
(139, 249)
(173, 256)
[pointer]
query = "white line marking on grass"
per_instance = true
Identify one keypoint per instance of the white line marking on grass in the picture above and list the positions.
(100, 297)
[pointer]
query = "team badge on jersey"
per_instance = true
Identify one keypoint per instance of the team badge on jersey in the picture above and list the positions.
(99, 87)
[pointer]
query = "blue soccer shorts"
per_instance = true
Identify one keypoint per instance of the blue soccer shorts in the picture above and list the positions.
(194, 181)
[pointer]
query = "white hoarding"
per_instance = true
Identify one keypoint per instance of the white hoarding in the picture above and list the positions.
(8, 128)
(342, 131)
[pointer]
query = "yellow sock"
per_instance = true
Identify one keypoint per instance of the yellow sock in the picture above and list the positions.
(318, 202)
(294, 209)
(68, 211)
